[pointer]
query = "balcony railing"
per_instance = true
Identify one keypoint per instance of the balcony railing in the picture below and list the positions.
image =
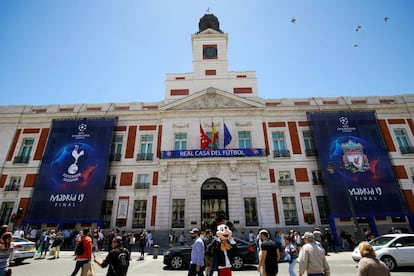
(406, 150)
(286, 182)
(311, 152)
(144, 156)
(110, 185)
(318, 182)
(115, 157)
(141, 185)
(21, 159)
(281, 153)
(12, 187)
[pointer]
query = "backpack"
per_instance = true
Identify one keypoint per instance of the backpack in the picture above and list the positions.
(79, 248)
(293, 252)
(122, 262)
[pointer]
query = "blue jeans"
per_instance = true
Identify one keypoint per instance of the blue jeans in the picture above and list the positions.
(291, 267)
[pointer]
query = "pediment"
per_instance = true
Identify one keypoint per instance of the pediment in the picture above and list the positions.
(212, 98)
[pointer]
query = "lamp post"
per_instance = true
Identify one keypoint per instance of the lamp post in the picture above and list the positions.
(331, 170)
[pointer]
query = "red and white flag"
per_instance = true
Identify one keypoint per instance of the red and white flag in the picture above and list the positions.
(204, 140)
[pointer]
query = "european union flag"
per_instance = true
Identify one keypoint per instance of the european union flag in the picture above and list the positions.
(227, 136)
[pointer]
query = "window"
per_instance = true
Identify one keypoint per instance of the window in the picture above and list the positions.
(317, 178)
(25, 151)
(178, 213)
(14, 184)
(289, 210)
(279, 144)
(116, 148)
(403, 142)
(284, 178)
(140, 213)
(412, 173)
(106, 212)
(323, 208)
(145, 152)
(250, 211)
(180, 141)
(143, 181)
(110, 183)
(310, 148)
(5, 212)
(245, 140)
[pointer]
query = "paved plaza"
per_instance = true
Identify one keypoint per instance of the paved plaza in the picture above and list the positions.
(341, 264)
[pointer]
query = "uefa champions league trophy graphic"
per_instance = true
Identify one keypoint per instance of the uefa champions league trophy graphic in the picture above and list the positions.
(73, 168)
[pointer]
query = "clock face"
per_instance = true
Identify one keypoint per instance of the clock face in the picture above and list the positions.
(210, 52)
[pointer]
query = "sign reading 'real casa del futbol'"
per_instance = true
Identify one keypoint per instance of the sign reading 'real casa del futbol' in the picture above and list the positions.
(212, 153)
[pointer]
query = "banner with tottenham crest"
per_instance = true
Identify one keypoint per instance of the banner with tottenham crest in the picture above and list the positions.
(355, 164)
(72, 175)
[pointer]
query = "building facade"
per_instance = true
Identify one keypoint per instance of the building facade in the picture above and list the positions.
(211, 149)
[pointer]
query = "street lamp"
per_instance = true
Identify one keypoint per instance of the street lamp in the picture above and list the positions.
(331, 170)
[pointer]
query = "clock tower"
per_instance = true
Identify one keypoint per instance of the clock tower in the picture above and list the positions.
(209, 48)
(210, 67)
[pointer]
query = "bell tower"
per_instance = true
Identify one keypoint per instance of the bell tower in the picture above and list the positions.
(209, 48)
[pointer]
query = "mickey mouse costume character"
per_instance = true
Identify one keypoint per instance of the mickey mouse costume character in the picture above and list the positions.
(224, 248)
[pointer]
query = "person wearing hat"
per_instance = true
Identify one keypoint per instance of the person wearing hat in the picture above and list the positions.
(312, 257)
(197, 254)
(112, 260)
(269, 255)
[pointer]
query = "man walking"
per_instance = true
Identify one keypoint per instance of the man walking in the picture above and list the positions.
(117, 259)
(269, 255)
(197, 254)
(83, 254)
(312, 257)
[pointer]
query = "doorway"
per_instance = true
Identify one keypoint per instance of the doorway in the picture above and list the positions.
(214, 202)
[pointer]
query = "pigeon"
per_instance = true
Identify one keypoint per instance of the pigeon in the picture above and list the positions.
(293, 20)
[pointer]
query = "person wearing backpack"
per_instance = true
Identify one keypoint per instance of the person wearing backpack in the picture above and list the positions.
(83, 254)
(291, 254)
(117, 259)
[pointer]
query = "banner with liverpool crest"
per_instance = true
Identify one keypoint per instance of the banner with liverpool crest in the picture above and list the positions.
(355, 164)
(72, 175)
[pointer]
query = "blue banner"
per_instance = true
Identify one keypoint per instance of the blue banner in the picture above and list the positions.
(72, 175)
(355, 164)
(212, 153)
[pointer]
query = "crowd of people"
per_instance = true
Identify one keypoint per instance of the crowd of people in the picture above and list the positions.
(305, 254)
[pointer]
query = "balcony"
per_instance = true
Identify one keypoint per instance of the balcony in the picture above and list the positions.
(145, 156)
(110, 185)
(21, 159)
(281, 153)
(406, 150)
(12, 187)
(286, 182)
(318, 182)
(311, 152)
(115, 157)
(141, 185)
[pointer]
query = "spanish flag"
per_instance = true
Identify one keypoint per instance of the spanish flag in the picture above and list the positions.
(214, 134)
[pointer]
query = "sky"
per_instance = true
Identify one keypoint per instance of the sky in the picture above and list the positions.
(119, 51)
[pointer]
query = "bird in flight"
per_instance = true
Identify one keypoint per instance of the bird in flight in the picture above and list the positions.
(293, 20)
(358, 27)
(386, 19)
